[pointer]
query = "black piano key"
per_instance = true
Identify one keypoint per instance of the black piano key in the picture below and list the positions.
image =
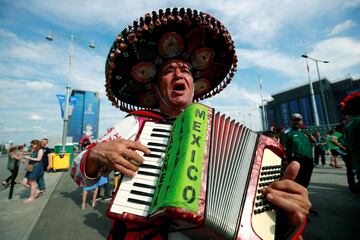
(148, 173)
(150, 166)
(159, 135)
(133, 200)
(161, 130)
(151, 155)
(141, 193)
(156, 144)
(136, 184)
(156, 150)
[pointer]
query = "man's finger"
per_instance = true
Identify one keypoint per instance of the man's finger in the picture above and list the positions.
(292, 170)
(133, 157)
(137, 145)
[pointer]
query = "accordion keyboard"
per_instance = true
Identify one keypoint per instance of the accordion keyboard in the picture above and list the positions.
(264, 214)
(135, 193)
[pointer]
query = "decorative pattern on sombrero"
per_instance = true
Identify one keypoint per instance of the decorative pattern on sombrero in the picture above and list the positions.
(140, 50)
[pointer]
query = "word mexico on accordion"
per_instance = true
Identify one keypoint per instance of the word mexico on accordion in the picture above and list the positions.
(204, 177)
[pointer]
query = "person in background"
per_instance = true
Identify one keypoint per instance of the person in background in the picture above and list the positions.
(271, 134)
(14, 158)
(44, 163)
(319, 149)
(45, 158)
(334, 147)
(32, 177)
(94, 188)
(298, 147)
(107, 195)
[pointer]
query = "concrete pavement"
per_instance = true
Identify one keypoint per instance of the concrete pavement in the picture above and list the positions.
(18, 219)
(57, 215)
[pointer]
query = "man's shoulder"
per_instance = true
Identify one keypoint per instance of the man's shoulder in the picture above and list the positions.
(288, 131)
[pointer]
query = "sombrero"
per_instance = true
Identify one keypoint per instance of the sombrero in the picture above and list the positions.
(350, 105)
(139, 51)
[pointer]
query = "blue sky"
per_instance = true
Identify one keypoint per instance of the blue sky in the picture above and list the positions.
(270, 37)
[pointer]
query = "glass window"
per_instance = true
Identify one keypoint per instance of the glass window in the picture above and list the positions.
(284, 115)
(306, 111)
(294, 107)
(270, 114)
(320, 109)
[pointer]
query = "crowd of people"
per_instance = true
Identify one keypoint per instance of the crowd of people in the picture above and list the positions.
(309, 149)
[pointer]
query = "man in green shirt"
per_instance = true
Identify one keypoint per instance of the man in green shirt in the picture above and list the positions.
(298, 147)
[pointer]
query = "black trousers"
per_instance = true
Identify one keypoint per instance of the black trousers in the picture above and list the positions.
(305, 172)
(318, 152)
(13, 175)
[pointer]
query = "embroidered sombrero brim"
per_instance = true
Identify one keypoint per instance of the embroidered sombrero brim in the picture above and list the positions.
(140, 50)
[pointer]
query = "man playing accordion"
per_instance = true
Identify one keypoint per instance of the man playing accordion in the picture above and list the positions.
(159, 66)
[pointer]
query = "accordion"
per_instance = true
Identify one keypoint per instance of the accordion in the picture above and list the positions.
(203, 177)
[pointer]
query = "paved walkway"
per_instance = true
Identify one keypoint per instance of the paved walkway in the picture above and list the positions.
(18, 219)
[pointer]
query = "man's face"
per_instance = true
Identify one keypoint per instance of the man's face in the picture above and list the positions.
(296, 123)
(44, 143)
(175, 85)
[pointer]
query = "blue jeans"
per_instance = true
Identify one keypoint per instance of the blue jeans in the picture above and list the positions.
(41, 182)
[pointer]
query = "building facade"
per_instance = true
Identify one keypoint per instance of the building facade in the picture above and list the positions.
(84, 120)
(298, 100)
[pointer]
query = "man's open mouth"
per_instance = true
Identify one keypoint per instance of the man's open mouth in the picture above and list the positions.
(179, 87)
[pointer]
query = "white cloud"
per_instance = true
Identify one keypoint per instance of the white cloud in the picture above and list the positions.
(342, 27)
(39, 129)
(343, 54)
(270, 59)
(35, 117)
(351, 3)
(39, 85)
(254, 22)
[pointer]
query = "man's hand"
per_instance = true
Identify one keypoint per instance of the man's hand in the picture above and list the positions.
(289, 195)
(119, 154)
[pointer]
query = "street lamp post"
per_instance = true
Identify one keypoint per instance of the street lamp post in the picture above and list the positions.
(313, 102)
(68, 87)
(264, 123)
(321, 89)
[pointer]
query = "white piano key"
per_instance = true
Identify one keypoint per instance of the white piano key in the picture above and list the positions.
(128, 187)
(132, 180)
(158, 145)
(123, 198)
(119, 209)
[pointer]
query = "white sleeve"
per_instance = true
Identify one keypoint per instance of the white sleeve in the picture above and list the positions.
(126, 128)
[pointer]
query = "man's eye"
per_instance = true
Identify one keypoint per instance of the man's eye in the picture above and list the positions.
(185, 70)
(168, 71)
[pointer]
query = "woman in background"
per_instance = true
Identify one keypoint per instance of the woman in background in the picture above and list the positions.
(31, 177)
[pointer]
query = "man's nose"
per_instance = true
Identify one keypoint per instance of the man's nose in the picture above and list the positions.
(177, 73)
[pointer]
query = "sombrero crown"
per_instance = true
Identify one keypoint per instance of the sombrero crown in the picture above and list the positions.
(140, 50)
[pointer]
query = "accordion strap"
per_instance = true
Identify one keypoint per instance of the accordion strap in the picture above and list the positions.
(147, 114)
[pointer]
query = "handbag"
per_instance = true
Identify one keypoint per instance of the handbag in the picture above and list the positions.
(29, 167)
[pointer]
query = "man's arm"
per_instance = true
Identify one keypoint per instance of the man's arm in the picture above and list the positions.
(113, 151)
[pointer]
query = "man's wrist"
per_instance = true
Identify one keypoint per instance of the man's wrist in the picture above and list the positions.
(92, 165)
